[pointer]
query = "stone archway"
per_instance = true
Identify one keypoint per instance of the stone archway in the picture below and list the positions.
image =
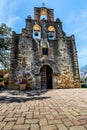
(46, 77)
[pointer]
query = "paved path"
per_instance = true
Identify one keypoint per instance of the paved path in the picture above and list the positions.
(61, 109)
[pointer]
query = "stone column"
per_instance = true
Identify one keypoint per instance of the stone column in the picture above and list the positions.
(13, 61)
(75, 60)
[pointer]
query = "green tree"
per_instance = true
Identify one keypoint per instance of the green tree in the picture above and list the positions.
(83, 73)
(5, 40)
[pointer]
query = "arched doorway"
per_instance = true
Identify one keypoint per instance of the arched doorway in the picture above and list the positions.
(46, 77)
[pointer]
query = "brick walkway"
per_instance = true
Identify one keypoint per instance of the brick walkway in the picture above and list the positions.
(61, 109)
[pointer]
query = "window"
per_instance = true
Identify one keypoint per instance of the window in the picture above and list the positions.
(45, 51)
(43, 17)
(51, 33)
(36, 34)
(43, 14)
(36, 31)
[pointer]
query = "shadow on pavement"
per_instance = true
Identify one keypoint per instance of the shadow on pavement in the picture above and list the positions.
(22, 96)
(4, 99)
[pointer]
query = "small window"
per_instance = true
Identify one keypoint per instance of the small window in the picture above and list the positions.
(36, 34)
(43, 17)
(51, 35)
(43, 14)
(51, 32)
(45, 51)
(36, 31)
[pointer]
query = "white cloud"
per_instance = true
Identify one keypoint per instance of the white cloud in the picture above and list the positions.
(11, 20)
(78, 24)
(84, 14)
(2, 9)
(7, 12)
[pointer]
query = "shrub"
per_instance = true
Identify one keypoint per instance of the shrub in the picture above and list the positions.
(1, 79)
(83, 86)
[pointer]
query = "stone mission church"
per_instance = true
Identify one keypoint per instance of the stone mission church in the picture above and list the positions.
(43, 52)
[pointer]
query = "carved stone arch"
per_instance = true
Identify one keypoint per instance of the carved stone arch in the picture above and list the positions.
(37, 27)
(43, 11)
(43, 14)
(52, 64)
(51, 28)
(51, 32)
(36, 31)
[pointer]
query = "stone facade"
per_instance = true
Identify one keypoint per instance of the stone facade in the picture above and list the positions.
(44, 54)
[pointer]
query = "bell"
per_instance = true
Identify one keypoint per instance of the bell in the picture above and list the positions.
(36, 33)
(51, 36)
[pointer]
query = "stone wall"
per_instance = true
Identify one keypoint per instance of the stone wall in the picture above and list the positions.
(27, 57)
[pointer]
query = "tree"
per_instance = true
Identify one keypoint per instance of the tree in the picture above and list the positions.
(83, 73)
(5, 40)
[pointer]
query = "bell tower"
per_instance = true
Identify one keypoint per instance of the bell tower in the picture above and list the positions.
(43, 13)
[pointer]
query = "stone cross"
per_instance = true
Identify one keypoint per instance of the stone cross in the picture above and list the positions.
(43, 4)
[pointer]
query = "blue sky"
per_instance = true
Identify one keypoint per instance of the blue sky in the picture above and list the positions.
(72, 13)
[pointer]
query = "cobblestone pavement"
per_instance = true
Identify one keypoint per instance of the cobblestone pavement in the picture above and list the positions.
(59, 109)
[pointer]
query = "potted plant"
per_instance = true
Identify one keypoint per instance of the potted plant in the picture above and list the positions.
(22, 84)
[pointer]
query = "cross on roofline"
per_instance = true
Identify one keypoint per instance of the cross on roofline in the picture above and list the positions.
(43, 4)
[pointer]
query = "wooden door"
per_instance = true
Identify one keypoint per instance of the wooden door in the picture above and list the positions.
(43, 77)
(46, 77)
